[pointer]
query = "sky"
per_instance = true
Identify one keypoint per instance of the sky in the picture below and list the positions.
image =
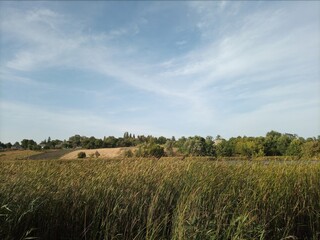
(158, 68)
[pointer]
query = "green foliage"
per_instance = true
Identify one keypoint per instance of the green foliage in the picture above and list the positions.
(75, 141)
(82, 155)
(295, 148)
(150, 150)
(249, 147)
(110, 142)
(161, 140)
(210, 146)
(29, 144)
(169, 148)
(195, 146)
(273, 144)
(2, 145)
(225, 148)
(311, 149)
(8, 145)
(270, 144)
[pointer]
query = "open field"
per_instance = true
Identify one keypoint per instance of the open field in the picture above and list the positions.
(17, 154)
(104, 152)
(158, 199)
(61, 154)
(50, 154)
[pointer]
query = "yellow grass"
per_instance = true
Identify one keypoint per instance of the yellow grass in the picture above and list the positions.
(104, 152)
(16, 154)
(159, 199)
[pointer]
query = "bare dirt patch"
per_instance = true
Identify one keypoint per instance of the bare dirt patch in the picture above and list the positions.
(50, 154)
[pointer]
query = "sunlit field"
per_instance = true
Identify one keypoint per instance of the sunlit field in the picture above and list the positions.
(159, 199)
(17, 154)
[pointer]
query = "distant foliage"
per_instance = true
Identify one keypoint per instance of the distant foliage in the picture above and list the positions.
(29, 144)
(169, 148)
(150, 150)
(272, 144)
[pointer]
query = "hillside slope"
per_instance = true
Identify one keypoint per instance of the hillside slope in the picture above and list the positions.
(104, 152)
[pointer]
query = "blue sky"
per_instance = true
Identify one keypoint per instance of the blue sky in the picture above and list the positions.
(160, 68)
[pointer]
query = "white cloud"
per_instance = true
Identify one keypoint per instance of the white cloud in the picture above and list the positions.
(264, 47)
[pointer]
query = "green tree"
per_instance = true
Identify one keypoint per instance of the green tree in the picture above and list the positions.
(8, 145)
(156, 150)
(161, 140)
(195, 146)
(75, 140)
(169, 148)
(150, 150)
(225, 148)
(283, 143)
(249, 147)
(210, 146)
(110, 142)
(126, 135)
(271, 144)
(2, 145)
(311, 149)
(295, 148)
(29, 144)
(98, 143)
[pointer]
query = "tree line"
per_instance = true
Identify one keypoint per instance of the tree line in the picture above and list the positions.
(272, 144)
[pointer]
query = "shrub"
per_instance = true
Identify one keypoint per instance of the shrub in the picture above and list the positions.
(82, 155)
(128, 154)
(150, 150)
(97, 154)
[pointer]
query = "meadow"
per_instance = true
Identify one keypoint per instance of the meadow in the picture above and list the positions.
(159, 199)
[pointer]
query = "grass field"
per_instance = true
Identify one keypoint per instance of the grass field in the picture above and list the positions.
(104, 152)
(17, 154)
(159, 199)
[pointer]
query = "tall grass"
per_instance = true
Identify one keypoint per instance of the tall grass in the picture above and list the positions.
(159, 199)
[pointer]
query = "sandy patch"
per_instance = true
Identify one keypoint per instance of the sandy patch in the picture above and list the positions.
(104, 152)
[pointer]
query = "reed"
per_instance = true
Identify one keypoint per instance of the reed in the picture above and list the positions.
(159, 199)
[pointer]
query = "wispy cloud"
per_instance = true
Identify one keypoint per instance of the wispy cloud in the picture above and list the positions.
(246, 60)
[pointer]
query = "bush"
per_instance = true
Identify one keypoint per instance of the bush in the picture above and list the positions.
(150, 150)
(128, 154)
(97, 154)
(82, 155)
